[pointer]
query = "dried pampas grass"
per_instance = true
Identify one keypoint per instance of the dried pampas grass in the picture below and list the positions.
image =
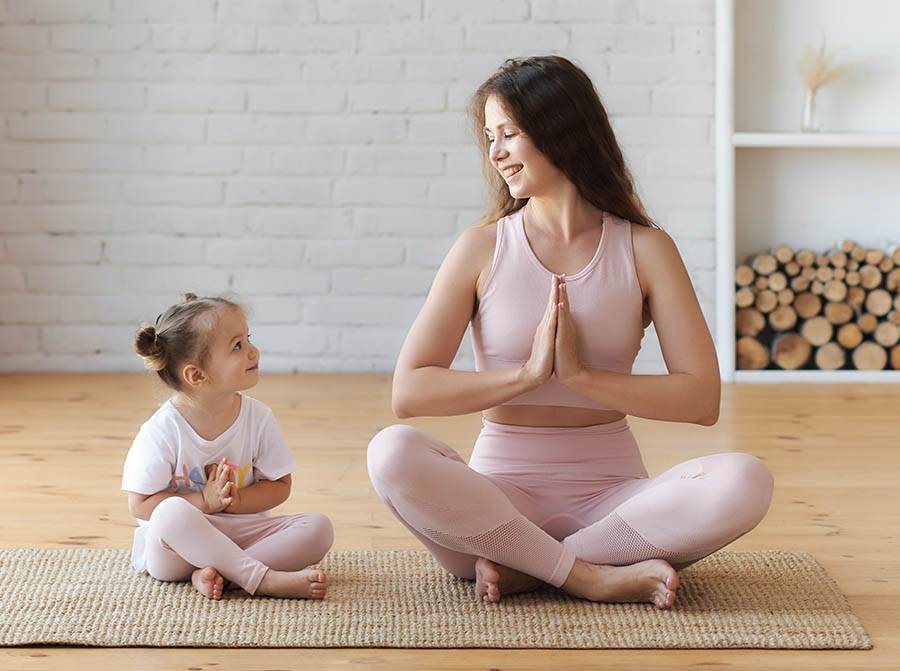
(818, 69)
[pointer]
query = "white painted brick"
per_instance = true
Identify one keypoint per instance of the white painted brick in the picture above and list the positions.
(150, 66)
(253, 68)
(638, 40)
(151, 249)
(677, 11)
(317, 39)
(429, 253)
(682, 163)
(404, 97)
(662, 195)
(359, 252)
(28, 39)
(23, 97)
(704, 284)
(9, 187)
(661, 131)
(547, 37)
(610, 11)
(12, 278)
(383, 281)
(272, 310)
(698, 254)
(29, 308)
(391, 191)
(425, 38)
(463, 161)
(230, 129)
(68, 188)
(267, 11)
(4, 257)
(52, 11)
(73, 279)
(293, 161)
(355, 11)
(279, 281)
(691, 223)
(687, 100)
(450, 67)
(305, 98)
(182, 190)
(203, 37)
(175, 279)
(362, 311)
(355, 129)
(373, 341)
(254, 252)
(75, 156)
(439, 129)
(198, 160)
(114, 309)
(86, 339)
(80, 363)
(85, 96)
(18, 339)
(167, 128)
(275, 191)
(195, 98)
(400, 161)
(465, 10)
(164, 10)
(50, 218)
(403, 222)
(452, 191)
(307, 222)
(694, 40)
(347, 69)
(290, 339)
(57, 127)
(47, 249)
(173, 219)
(620, 99)
(94, 38)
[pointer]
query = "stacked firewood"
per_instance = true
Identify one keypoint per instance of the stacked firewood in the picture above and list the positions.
(802, 310)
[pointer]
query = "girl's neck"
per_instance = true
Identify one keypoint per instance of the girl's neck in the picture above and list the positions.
(212, 404)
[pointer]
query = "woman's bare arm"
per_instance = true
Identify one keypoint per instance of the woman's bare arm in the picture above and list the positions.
(691, 391)
(423, 383)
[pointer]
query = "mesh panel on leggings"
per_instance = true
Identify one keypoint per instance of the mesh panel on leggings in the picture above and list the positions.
(518, 544)
(622, 545)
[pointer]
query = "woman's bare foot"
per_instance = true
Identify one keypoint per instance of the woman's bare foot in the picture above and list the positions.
(208, 582)
(494, 580)
(653, 581)
(306, 584)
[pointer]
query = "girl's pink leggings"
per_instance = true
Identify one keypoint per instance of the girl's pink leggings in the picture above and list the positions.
(536, 498)
(180, 539)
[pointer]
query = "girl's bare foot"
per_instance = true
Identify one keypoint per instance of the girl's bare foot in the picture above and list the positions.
(208, 582)
(653, 581)
(306, 584)
(493, 580)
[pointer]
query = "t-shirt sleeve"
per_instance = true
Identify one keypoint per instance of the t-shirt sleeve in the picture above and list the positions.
(273, 458)
(149, 464)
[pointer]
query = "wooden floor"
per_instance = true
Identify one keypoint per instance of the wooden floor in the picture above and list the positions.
(834, 451)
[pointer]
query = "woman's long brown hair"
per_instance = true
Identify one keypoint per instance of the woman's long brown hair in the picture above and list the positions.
(555, 103)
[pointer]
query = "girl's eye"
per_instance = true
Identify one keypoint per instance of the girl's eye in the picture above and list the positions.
(237, 345)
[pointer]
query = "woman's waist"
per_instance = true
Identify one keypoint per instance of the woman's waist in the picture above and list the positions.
(551, 416)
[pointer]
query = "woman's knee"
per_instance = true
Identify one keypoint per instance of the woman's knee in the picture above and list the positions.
(746, 489)
(390, 449)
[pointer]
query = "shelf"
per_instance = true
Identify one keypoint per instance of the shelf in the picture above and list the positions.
(819, 140)
(817, 376)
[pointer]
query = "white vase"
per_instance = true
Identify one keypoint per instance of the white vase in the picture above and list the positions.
(810, 122)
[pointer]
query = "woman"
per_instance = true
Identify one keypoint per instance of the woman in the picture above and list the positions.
(559, 281)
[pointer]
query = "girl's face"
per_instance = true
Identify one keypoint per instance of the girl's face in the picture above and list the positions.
(233, 361)
(526, 171)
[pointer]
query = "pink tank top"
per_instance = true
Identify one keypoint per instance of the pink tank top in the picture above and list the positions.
(605, 299)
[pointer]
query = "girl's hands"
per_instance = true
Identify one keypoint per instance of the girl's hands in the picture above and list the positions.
(566, 362)
(539, 366)
(219, 490)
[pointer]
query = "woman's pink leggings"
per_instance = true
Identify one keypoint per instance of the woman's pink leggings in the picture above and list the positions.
(180, 539)
(536, 498)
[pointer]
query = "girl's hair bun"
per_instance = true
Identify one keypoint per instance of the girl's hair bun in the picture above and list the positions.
(150, 347)
(188, 297)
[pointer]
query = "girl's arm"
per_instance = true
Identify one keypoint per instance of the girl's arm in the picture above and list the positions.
(423, 383)
(260, 496)
(143, 505)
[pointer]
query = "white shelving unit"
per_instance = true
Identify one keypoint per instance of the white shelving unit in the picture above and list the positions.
(744, 160)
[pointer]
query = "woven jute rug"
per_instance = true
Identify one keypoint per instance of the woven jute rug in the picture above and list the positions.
(403, 599)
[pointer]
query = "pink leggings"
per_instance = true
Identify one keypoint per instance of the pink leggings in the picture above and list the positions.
(536, 498)
(242, 548)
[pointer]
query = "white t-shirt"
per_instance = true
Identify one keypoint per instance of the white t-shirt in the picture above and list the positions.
(169, 456)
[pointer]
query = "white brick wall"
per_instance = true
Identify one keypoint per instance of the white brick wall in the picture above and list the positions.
(310, 156)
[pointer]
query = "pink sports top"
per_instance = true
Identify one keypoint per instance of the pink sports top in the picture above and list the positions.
(605, 299)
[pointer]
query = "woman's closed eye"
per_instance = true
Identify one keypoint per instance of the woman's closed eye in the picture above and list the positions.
(490, 139)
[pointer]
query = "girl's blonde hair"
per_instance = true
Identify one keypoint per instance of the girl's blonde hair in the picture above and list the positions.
(181, 334)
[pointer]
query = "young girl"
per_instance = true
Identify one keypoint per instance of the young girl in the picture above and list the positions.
(206, 468)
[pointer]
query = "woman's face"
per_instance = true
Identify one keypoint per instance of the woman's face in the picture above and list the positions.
(526, 171)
